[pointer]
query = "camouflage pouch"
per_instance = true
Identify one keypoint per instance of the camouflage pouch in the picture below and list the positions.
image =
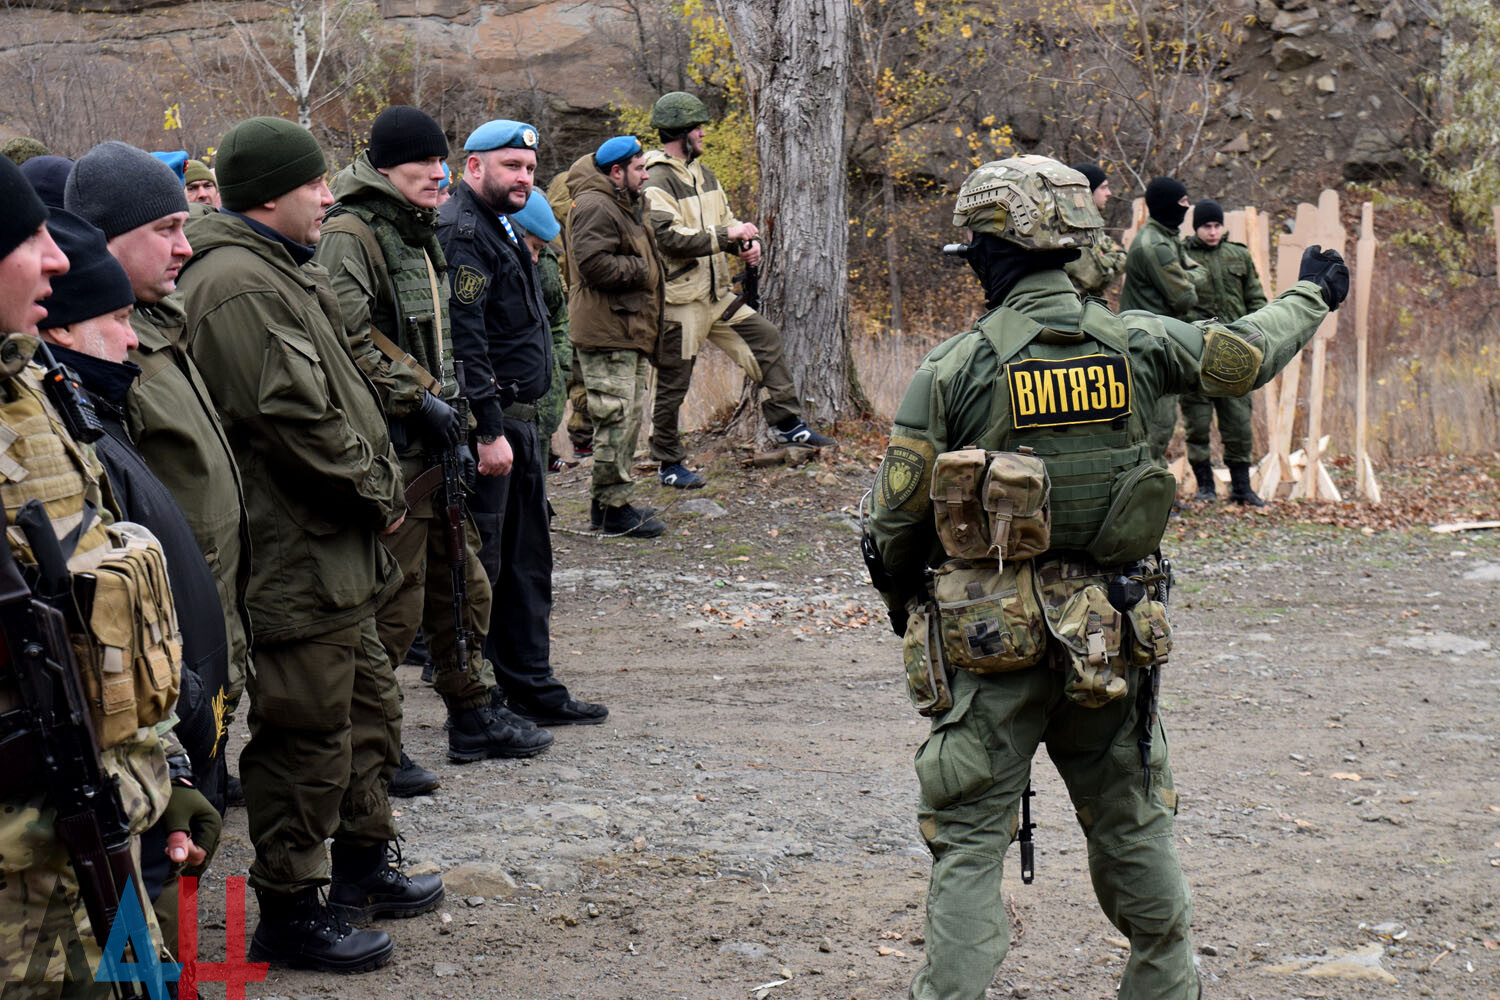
(1017, 497)
(1089, 632)
(1140, 501)
(926, 673)
(1151, 634)
(960, 518)
(989, 619)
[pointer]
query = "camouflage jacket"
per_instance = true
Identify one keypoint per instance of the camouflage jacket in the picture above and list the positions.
(689, 213)
(1232, 287)
(950, 401)
(1097, 267)
(1159, 275)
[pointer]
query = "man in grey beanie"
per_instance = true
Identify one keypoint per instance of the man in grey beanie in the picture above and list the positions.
(139, 204)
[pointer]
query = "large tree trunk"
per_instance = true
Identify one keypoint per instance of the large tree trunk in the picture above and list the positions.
(795, 56)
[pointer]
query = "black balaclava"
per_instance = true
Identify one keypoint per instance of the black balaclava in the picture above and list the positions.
(1163, 200)
(999, 264)
(1093, 172)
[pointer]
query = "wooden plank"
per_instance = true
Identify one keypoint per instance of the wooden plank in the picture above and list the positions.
(1444, 529)
(1364, 278)
(1289, 247)
(1258, 239)
(1137, 220)
(1330, 235)
(1234, 225)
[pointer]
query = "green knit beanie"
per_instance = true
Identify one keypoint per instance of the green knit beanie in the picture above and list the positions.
(261, 159)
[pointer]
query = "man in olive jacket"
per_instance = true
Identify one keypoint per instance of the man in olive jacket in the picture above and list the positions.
(1231, 289)
(615, 306)
(1161, 278)
(321, 483)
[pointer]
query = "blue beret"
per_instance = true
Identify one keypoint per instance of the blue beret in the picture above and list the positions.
(502, 133)
(537, 218)
(620, 149)
(447, 177)
(176, 160)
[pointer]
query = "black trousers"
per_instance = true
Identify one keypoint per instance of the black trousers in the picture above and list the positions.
(516, 550)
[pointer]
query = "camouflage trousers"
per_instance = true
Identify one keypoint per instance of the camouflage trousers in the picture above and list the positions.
(1234, 426)
(425, 600)
(616, 384)
(549, 409)
(972, 771)
(325, 739)
(580, 428)
(1161, 423)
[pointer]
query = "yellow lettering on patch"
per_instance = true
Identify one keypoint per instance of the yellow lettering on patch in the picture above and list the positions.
(1047, 393)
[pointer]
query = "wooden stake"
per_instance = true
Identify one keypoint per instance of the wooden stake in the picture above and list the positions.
(1330, 233)
(1137, 220)
(1364, 276)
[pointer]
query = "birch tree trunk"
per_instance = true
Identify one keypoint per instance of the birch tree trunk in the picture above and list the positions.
(795, 57)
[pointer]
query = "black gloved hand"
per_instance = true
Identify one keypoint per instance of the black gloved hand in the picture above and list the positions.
(441, 421)
(1326, 269)
(470, 471)
(189, 812)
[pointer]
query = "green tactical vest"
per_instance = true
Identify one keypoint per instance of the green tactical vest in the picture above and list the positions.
(404, 310)
(1072, 402)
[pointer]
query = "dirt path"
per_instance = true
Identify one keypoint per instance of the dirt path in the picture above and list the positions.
(745, 817)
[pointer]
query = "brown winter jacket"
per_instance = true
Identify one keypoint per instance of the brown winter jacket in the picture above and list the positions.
(614, 269)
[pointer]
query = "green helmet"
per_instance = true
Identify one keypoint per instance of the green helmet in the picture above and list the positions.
(1031, 201)
(678, 112)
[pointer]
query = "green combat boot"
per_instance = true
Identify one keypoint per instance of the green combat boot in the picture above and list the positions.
(299, 930)
(1204, 472)
(1239, 485)
(366, 885)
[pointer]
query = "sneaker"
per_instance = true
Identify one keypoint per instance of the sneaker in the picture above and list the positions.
(626, 521)
(479, 734)
(582, 450)
(412, 779)
(301, 931)
(571, 712)
(801, 434)
(368, 883)
(680, 476)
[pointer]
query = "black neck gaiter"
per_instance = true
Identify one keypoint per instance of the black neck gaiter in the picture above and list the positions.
(999, 264)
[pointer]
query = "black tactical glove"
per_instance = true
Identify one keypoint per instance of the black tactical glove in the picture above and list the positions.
(441, 421)
(1326, 269)
(187, 810)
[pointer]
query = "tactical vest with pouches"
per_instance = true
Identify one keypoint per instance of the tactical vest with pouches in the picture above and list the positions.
(123, 622)
(1058, 492)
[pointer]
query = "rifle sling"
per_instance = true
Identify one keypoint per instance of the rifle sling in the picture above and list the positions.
(424, 486)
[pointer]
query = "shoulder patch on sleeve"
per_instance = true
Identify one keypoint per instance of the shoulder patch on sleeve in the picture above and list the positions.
(468, 284)
(1230, 363)
(1166, 253)
(905, 473)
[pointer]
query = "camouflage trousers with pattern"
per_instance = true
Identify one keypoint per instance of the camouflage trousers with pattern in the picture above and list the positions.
(972, 771)
(616, 382)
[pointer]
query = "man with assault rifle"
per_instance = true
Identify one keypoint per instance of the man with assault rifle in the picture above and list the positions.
(380, 247)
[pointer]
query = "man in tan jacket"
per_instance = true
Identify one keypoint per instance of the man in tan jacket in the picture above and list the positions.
(615, 306)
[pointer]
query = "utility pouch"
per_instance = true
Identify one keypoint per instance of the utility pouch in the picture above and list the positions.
(961, 522)
(989, 619)
(926, 673)
(1140, 501)
(1017, 497)
(1151, 634)
(1090, 633)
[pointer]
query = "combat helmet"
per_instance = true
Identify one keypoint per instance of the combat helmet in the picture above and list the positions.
(678, 111)
(1031, 201)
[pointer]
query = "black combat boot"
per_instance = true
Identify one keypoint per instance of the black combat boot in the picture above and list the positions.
(625, 520)
(478, 733)
(412, 779)
(368, 883)
(299, 930)
(1204, 472)
(1239, 485)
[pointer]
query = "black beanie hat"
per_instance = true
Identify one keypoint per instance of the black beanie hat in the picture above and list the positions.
(1207, 211)
(261, 159)
(21, 211)
(95, 285)
(1163, 198)
(1093, 172)
(49, 177)
(117, 187)
(404, 134)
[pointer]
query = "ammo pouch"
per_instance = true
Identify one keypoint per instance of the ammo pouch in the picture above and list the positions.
(130, 655)
(926, 671)
(1096, 644)
(988, 617)
(990, 505)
